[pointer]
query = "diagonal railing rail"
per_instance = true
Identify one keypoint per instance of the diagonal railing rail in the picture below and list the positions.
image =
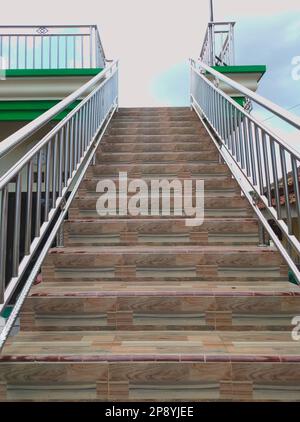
(265, 165)
(45, 181)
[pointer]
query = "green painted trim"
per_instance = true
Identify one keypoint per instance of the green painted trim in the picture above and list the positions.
(21, 73)
(241, 69)
(30, 110)
(6, 312)
(239, 100)
(30, 105)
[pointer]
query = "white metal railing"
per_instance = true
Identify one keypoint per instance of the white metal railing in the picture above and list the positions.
(264, 164)
(45, 181)
(51, 47)
(218, 44)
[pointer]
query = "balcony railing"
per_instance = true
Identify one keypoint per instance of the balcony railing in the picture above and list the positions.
(51, 47)
(218, 45)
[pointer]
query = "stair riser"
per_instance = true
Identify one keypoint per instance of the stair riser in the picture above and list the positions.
(154, 147)
(178, 140)
(157, 228)
(163, 232)
(227, 184)
(184, 123)
(134, 170)
(185, 262)
(89, 204)
(164, 157)
(159, 312)
(157, 381)
(156, 131)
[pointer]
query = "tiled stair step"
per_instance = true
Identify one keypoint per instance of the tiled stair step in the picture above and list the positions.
(184, 123)
(177, 139)
(165, 117)
(135, 147)
(157, 111)
(131, 365)
(156, 157)
(236, 204)
(218, 185)
(156, 131)
(201, 170)
(194, 305)
(166, 262)
(213, 231)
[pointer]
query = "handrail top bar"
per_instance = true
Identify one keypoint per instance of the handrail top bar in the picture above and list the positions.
(222, 23)
(269, 105)
(22, 134)
(50, 26)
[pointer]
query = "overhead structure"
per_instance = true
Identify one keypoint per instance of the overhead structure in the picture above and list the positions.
(218, 51)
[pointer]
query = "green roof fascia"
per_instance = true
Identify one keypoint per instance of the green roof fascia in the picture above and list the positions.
(30, 110)
(21, 73)
(241, 69)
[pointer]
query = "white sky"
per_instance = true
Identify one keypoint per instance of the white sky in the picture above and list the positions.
(148, 36)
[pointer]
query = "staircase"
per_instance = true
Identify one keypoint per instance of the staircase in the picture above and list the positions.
(146, 308)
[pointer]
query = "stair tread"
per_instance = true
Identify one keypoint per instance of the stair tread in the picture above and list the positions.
(156, 345)
(219, 249)
(161, 288)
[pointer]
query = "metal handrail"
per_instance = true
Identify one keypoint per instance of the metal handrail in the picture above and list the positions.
(51, 46)
(258, 99)
(262, 162)
(46, 174)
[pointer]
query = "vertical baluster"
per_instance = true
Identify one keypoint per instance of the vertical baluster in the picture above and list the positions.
(54, 171)
(246, 146)
(42, 52)
(241, 138)
(82, 56)
(58, 51)
(33, 52)
(26, 51)
(232, 128)
(9, 52)
(276, 181)
(50, 52)
(29, 208)
(267, 168)
(17, 224)
(76, 139)
(47, 179)
(251, 147)
(237, 136)
(17, 51)
(61, 157)
(296, 175)
(259, 160)
(74, 51)
(286, 189)
(79, 137)
(66, 51)
(3, 239)
(71, 136)
(66, 153)
(38, 193)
